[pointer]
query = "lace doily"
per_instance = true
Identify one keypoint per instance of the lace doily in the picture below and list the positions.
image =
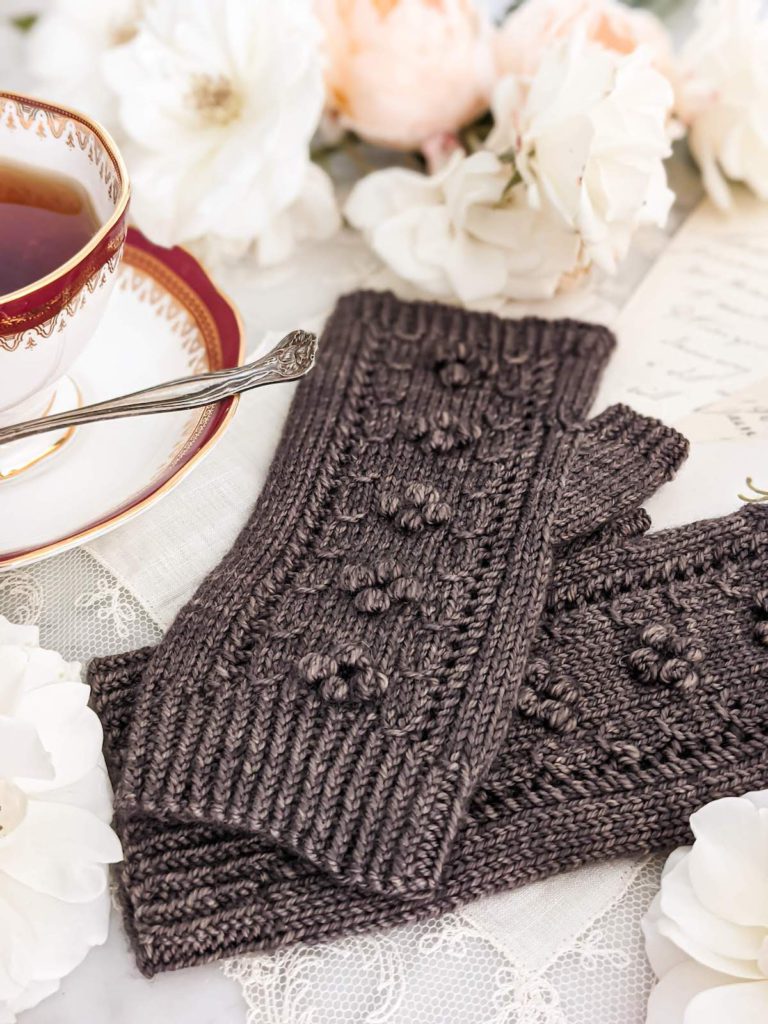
(448, 970)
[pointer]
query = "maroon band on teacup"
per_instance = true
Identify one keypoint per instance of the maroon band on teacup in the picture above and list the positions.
(42, 302)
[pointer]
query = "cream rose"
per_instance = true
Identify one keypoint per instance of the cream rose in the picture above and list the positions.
(588, 137)
(464, 232)
(400, 71)
(528, 33)
(722, 96)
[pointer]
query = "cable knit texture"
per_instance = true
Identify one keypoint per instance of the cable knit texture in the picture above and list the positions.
(342, 682)
(644, 698)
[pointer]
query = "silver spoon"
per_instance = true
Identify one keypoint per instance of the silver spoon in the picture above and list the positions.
(292, 358)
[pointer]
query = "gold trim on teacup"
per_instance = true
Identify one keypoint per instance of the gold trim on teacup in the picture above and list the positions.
(73, 302)
(123, 198)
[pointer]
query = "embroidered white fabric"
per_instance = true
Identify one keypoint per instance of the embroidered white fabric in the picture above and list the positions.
(81, 608)
(453, 970)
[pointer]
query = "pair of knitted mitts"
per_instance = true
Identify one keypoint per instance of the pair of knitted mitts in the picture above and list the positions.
(439, 660)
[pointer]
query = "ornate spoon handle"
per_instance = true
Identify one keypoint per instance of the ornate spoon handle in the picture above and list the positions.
(292, 358)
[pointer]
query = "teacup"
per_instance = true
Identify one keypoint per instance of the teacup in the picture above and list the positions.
(45, 325)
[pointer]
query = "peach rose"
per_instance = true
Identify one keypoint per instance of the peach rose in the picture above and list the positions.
(523, 39)
(401, 71)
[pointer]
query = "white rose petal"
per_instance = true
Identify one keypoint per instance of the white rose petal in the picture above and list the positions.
(314, 214)
(464, 232)
(21, 751)
(219, 103)
(747, 1004)
(670, 999)
(50, 937)
(710, 931)
(66, 46)
(55, 841)
(60, 851)
(722, 95)
(588, 136)
(68, 729)
(728, 862)
(706, 931)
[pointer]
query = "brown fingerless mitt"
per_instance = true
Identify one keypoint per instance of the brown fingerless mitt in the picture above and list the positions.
(645, 696)
(342, 682)
(361, 718)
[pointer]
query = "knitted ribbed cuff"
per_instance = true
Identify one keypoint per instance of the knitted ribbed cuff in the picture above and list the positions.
(346, 677)
(644, 699)
(624, 459)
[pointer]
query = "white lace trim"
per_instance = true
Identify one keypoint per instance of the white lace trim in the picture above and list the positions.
(448, 971)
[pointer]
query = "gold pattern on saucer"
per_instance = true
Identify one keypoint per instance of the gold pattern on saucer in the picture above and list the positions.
(173, 300)
(758, 494)
(183, 293)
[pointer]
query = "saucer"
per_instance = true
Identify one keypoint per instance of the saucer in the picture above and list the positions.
(166, 319)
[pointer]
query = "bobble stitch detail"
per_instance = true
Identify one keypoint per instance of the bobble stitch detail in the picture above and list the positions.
(442, 433)
(456, 368)
(376, 587)
(348, 677)
(666, 657)
(550, 701)
(418, 506)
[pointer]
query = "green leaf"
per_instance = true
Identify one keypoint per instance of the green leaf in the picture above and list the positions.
(25, 22)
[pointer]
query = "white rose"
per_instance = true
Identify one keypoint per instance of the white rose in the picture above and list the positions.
(67, 45)
(55, 805)
(722, 96)
(220, 102)
(464, 231)
(589, 135)
(707, 930)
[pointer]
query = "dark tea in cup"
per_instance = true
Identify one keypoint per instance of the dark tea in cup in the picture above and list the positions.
(45, 219)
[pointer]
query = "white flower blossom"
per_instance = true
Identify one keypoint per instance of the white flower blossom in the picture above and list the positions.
(55, 805)
(67, 46)
(722, 96)
(464, 232)
(588, 136)
(707, 929)
(220, 103)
